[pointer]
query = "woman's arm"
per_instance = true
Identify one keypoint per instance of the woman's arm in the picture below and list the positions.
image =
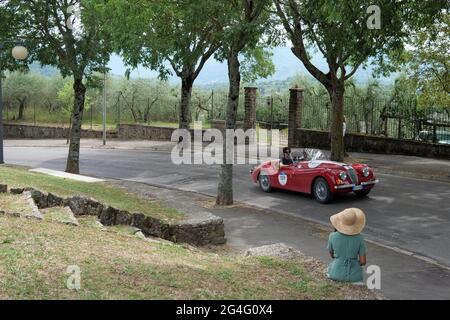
(362, 260)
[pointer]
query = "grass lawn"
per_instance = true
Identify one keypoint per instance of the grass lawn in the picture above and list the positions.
(13, 203)
(113, 196)
(35, 255)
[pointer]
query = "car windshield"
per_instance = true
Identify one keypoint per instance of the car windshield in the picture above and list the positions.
(307, 154)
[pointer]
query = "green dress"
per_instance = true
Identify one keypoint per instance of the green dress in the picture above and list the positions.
(345, 265)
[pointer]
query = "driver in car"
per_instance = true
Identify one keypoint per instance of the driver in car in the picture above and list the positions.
(286, 160)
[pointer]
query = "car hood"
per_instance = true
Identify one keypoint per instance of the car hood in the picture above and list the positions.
(324, 164)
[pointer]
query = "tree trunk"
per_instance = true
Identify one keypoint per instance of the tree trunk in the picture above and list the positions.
(73, 160)
(336, 92)
(186, 94)
(225, 192)
(21, 108)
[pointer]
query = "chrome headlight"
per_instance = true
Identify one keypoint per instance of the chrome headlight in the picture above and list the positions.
(343, 175)
(366, 172)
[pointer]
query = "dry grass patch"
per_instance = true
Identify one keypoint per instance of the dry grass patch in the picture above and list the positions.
(14, 204)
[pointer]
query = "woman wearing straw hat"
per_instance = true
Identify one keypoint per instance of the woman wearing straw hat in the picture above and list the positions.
(347, 247)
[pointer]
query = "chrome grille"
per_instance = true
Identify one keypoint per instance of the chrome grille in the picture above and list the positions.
(353, 176)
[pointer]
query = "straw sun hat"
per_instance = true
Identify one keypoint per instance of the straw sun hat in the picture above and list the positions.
(350, 221)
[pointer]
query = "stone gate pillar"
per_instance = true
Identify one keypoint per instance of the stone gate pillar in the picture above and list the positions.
(295, 114)
(250, 108)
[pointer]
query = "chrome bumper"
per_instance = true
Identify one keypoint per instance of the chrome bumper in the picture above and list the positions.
(368, 183)
(347, 186)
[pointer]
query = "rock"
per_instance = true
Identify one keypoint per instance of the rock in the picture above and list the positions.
(137, 220)
(84, 206)
(140, 235)
(40, 199)
(199, 233)
(136, 230)
(34, 213)
(62, 215)
(108, 216)
(3, 188)
(54, 201)
(123, 218)
(99, 225)
(150, 226)
(94, 208)
(71, 220)
(155, 227)
(277, 250)
(16, 190)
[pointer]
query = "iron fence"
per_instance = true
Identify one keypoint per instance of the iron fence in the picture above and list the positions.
(396, 117)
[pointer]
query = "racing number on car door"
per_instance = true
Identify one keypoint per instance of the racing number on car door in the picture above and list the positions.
(285, 178)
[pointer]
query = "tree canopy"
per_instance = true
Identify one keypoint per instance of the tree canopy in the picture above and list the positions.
(347, 33)
(427, 62)
(169, 36)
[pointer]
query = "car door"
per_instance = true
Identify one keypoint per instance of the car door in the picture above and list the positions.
(302, 177)
(285, 178)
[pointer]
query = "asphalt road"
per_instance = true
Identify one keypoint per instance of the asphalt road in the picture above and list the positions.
(406, 213)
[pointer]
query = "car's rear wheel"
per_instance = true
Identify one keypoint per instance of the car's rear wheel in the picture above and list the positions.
(362, 193)
(264, 183)
(321, 191)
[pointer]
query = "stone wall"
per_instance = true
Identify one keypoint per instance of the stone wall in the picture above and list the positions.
(23, 131)
(220, 124)
(143, 132)
(205, 232)
(362, 143)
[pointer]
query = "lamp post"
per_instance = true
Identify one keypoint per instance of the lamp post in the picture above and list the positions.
(104, 108)
(19, 52)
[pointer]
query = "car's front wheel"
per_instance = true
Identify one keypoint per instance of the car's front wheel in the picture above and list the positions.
(321, 191)
(264, 183)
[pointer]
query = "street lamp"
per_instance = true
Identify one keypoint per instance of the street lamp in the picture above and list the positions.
(19, 52)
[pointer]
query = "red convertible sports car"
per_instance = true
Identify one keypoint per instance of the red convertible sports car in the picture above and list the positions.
(315, 175)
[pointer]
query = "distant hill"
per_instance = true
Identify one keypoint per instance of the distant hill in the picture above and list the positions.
(47, 71)
(215, 74)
